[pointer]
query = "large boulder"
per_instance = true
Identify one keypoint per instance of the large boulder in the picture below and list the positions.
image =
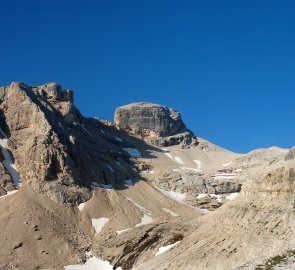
(161, 125)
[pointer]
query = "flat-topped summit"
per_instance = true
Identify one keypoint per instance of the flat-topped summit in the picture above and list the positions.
(161, 125)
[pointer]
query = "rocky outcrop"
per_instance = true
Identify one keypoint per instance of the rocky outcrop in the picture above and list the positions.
(161, 125)
(56, 150)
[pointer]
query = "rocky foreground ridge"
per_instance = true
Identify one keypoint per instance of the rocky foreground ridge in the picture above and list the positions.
(142, 193)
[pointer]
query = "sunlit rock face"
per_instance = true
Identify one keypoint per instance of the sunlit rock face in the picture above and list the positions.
(161, 125)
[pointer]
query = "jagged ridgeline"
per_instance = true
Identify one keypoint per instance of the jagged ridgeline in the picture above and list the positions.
(58, 151)
(140, 193)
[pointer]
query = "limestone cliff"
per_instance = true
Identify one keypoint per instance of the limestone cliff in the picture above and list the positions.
(161, 125)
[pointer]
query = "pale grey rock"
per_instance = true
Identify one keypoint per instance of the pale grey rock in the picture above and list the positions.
(161, 125)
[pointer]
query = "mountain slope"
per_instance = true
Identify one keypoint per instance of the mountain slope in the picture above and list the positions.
(143, 193)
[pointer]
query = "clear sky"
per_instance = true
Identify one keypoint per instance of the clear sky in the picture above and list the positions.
(227, 66)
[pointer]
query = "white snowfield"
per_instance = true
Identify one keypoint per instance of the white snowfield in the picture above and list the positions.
(9, 193)
(166, 248)
(144, 220)
(168, 154)
(92, 263)
(170, 212)
(179, 160)
(177, 196)
(202, 195)
(217, 196)
(190, 169)
(148, 171)
(146, 214)
(133, 152)
(8, 163)
(81, 206)
(110, 168)
(128, 182)
(107, 187)
(99, 223)
(232, 196)
(61, 126)
(176, 170)
(87, 131)
(180, 197)
(72, 140)
(118, 139)
(95, 184)
(224, 176)
(198, 163)
(227, 164)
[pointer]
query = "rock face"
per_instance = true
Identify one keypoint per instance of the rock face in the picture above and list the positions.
(56, 150)
(161, 125)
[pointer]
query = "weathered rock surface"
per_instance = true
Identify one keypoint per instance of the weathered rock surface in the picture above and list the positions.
(161, 125)
(56, 150)
(149, 202)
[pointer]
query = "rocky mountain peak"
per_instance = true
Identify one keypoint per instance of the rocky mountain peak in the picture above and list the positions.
(161, 125)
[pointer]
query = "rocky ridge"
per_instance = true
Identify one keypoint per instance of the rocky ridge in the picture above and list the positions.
(124, 192)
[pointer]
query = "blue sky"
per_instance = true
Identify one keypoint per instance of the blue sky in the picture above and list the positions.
(227, 66)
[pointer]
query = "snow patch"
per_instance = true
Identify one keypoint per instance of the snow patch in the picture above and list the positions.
(99, 223)
(110, 168)
(128, 182)
(227, 164)
(170, 212)
(180, 197)
(122, 231)
(119, 164)
(176, 170)
(72, 140)
(146, 219)
(81, 206)
(95, 184)
(167, 153)
(232, 196)
(179, 160)
(146, 214)
(7, 162)
(190, 169)
(177, 196)
(198, 163)
(224, 176)
(61, 126)
(238, 170)
(87, 131)
(108, 186)
(9, 193)
(118, 139)
(133, 152)
(166, 248)
(217, 196)
(148, 171)
(202, 195)
(92, 263)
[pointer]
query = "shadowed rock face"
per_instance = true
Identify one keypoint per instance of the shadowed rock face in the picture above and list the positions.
(161, 125)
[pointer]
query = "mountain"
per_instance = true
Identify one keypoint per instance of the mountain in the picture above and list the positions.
(140, 193)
